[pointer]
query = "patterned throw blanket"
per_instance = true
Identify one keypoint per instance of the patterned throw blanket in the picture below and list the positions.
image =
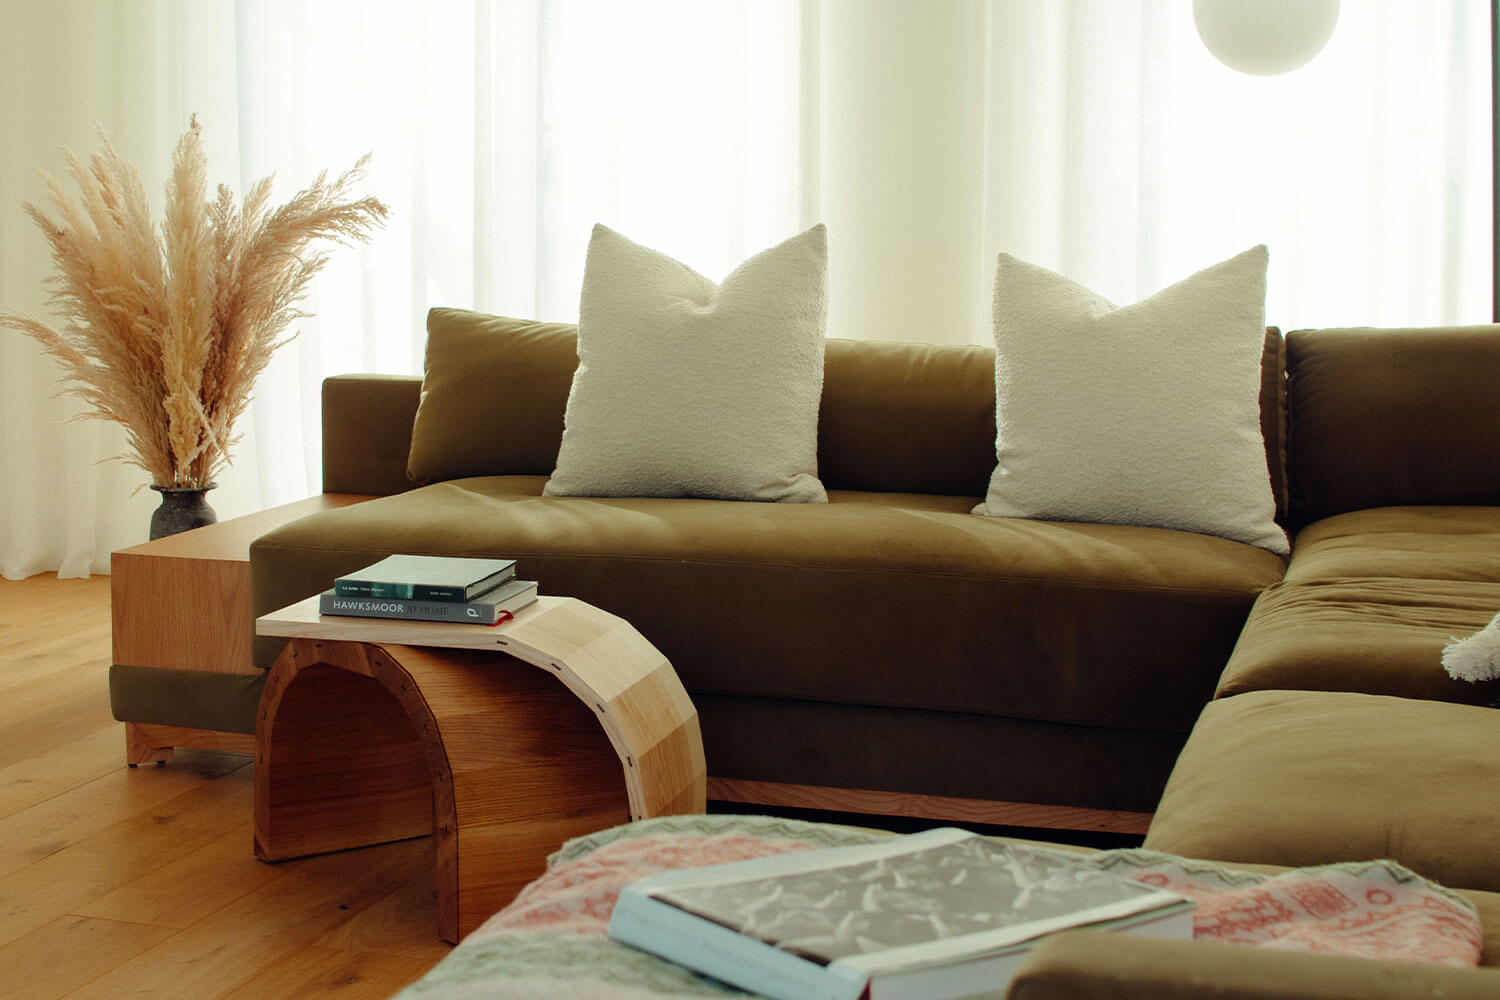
(551, 942)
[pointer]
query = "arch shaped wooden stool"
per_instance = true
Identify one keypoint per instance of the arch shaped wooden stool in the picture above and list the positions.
(373, 730)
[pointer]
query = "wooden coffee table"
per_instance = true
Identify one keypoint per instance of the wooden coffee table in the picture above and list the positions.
(500, 741)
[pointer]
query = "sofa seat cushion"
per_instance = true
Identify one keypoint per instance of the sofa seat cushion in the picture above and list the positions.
(1409, 543)
(1091, 965)
(1368, 603)
(882, 599)
(1313, 777)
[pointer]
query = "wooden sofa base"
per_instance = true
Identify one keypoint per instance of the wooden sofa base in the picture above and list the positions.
(183, 603)
(225, 548)
(859, 800)
(146, 742)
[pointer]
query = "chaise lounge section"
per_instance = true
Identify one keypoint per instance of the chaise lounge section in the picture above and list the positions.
(1335, 733)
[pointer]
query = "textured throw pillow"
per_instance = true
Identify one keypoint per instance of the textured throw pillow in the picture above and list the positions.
(687, 388)
(1147, 414)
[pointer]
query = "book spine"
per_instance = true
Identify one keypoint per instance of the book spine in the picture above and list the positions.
(372, 588)
(390, 607)
(405, 591)
(651, 925)
(426, 592)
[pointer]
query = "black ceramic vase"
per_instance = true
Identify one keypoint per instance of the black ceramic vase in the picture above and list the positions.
(182, 508)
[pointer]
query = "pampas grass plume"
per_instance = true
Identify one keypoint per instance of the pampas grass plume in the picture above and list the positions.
(166, 332)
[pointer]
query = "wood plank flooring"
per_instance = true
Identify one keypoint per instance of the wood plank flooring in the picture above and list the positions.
(118, 882)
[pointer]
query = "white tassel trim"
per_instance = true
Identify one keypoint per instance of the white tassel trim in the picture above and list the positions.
(1476, 658)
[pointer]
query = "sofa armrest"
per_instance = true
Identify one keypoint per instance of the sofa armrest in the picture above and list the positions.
(367, 421)
(1098, 966)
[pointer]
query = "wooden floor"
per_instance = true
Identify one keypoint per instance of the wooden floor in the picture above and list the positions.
(119, 882)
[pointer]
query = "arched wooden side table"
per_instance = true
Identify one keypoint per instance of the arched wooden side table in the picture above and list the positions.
(373, 730)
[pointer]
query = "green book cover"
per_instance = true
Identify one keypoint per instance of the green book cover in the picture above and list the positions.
(426, 578)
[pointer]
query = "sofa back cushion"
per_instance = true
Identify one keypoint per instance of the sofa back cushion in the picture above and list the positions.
(920, 418)
(913, 418)
(1273, 418)
(1393, 417)
(908, 418)
(493, 394)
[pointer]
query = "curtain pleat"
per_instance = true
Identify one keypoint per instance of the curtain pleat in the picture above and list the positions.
(1094, 137)
(500, 131)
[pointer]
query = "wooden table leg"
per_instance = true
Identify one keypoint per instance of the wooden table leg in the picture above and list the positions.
(515, 738)
(360, 744)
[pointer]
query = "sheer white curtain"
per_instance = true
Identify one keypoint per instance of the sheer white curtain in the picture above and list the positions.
(1100, 139)
(501, 131)
(1094, 137)
(1120, 153)
(64, 65)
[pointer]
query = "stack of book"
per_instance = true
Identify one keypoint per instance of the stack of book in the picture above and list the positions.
(432, 588)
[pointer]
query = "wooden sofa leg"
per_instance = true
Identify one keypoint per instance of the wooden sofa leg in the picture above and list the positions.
(141, 746)
(148, 741)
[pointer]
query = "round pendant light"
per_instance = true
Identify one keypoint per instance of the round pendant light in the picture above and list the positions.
(1265, 37)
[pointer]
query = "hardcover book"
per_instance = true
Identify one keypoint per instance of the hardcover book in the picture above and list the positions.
(426, 578)
(490, 608)
(940, 914)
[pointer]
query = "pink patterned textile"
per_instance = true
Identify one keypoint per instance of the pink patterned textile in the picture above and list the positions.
(577, 897)
(1375, 909)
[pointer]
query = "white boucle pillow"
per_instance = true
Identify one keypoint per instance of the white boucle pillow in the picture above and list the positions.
(687, 388)
(1147, 414)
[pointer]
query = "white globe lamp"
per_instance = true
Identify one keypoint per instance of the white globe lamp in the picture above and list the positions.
(1265, 37)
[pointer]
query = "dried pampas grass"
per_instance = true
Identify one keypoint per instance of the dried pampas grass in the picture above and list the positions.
(166, 334)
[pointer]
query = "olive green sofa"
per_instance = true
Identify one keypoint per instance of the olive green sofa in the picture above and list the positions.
(1265, 710)
(886, 641)
(890, 641)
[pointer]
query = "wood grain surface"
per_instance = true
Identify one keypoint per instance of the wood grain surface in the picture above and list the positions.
(880, 803)
(183, 601)
(142, 882)
(501, 741)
